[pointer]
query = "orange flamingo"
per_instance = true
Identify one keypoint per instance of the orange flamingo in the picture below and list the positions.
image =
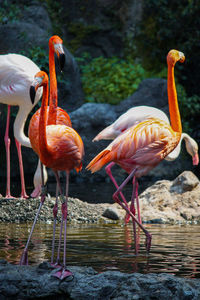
(143, 146)
(56, 115)
(61, 149)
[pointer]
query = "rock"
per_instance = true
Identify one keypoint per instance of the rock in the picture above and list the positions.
(172, 201)
(186, 181)
(37, 282)
(111, 213)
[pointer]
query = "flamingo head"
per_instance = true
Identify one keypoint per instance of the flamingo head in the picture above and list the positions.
(40, 79)
(56, 45)
(192, 149)
(174, 56)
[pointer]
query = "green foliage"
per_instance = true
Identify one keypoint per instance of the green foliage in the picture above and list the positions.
(79, 32)
(171, 25)
(9, 12)
(56, 12)
(189, 109)
(110, 79)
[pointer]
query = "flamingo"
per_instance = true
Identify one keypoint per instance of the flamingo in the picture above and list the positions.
(56, 115)
(132, 117)
(144, 145)
(60, 148)
(15, 91)
(138, 114)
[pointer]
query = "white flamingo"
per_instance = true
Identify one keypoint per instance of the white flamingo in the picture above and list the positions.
(16, 75)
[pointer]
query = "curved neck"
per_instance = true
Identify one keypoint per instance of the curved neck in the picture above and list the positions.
(19, 127)
(173, 101)
(53, 100)
(43, 147)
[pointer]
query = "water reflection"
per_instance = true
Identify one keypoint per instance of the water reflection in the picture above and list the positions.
(175, 249)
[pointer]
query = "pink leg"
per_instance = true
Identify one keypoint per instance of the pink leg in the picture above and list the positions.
(23, 189)
(64, 272)
(58, 187)
(132, 206)
(55, 212)
(137, 201)
(7, 144)
(24, 256)
(108, 171)
(116, 198)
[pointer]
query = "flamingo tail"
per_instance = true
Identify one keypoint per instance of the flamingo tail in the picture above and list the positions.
(99, 161)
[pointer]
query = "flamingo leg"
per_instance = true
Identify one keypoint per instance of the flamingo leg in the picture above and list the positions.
(23, 189)
(132, 209)
(55, 212)
(116, 199)
(7, 145)
(64, 272)
(137, 201)
(24, 256)
(108, 171)
(133, 197)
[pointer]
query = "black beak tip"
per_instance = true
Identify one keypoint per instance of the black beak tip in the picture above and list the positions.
(62, 61)
(32, 94)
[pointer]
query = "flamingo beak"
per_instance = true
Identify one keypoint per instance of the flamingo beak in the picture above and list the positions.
(60, 54)
(195, 159)
(32, 93)
(182, 57)
(34, 86)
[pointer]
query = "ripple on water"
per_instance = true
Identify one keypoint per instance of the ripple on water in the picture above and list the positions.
(175, 248)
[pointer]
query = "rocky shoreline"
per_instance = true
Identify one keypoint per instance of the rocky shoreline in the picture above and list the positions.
(37, 282)
(166, 202)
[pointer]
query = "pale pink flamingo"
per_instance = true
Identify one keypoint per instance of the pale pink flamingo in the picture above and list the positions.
(132, 117)
(144, 145)
(16, 74)
(60, 148)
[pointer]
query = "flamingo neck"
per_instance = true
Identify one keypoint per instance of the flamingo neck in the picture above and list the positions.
(173, 101)
(43, 147)
(53, 101)
(19, 123)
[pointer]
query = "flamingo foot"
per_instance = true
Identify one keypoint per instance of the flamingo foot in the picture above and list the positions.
(56, 264)
(36, 192)
(24, 258)
(24, 196)
(8, 196)
(63, 273)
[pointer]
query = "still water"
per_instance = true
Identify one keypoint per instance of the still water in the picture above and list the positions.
(175, 249)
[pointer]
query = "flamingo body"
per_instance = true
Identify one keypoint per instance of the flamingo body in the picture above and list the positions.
(62, 119)
(65, 148)
(140, 147)
(138, 114)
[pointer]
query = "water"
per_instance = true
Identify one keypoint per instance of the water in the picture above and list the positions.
(175, 249)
